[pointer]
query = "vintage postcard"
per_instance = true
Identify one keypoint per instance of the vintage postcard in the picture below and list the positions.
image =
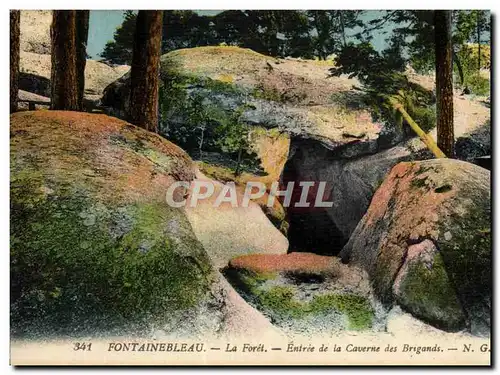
(250, 187)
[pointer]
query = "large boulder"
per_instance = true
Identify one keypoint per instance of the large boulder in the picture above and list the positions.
(94, 245)
(35, 75)
(426, 243)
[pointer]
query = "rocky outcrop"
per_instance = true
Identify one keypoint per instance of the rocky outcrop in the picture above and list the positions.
(333, 137)
(426, 243)
(283, 100)
(35, 62)
(35, 31)
(91, 231)
(291, 96)
(35, 75)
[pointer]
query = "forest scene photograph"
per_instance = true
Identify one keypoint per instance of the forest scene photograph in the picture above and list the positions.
(243, 185)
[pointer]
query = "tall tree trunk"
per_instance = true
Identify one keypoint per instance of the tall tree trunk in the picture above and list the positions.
(238, 165)
(63, 75)
(478, 28)
(342, 26)
(444, 82)
(456, 60)
(143, 108)
(15, 20)
(82, 33)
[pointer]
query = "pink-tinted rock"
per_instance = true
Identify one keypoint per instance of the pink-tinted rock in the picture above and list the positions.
(446, 202)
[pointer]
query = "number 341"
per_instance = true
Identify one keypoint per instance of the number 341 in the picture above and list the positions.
(84, 346)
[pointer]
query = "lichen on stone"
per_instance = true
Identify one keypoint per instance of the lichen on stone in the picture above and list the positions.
(93, 254)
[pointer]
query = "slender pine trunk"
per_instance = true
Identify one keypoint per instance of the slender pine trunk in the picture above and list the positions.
(144, 80)
(201, 141)
(478, 28)
(240, 152)
(456, 60)
(82, 33)
(444, 82)
(342, 26)
(15, 20)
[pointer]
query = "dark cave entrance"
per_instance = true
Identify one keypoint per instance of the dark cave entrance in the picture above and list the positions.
(314, 232)
(311, 229)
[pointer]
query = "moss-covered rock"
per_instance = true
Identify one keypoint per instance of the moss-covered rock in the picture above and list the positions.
(439, 304)
(445, 203)
(305, 292)
(94, 245)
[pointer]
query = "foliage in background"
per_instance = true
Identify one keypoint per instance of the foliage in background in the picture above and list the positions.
(321, 33)
(119, 50)
(293, 33)
(330, 28)
(473, 79)
(383, 78)
(313, 34)
(190, 120)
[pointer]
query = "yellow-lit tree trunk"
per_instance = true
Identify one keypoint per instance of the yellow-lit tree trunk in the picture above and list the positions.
(144, 73)
(15, 18)
(444, 82)
(426, 138)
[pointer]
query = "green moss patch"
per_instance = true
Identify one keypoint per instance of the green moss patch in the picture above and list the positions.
(468, 255)
(438, 304)
(217, 172)
(77, 263)
(357, 308)
(281, 301)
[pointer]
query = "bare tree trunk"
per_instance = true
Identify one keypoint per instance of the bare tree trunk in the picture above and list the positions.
(444, 82)
(342, 26)
(63, 76)
(202, 138)
(82, 33)
(456, 60)
(15, 18)
(144, 73)
(478, 28)
(238, 165)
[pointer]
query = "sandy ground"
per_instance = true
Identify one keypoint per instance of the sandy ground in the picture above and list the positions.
(470, 111)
